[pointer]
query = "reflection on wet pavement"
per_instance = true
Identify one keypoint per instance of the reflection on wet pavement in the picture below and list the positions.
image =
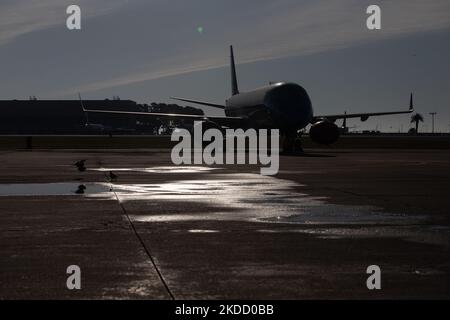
(246, 197)
(202, 231)
(53, 189)
(161, 169)
(254, 198)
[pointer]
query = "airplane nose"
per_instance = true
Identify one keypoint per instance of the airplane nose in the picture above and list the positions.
(290, 105)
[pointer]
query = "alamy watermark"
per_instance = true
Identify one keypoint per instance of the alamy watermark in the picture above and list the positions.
(374, 280)
(235, 147)
(73, 281)
(374, 20)
(73, 21)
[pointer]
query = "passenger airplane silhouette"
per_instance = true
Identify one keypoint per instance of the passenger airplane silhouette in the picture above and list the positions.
(284, 106)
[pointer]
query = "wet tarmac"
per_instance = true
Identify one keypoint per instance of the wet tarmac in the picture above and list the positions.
(194, 232)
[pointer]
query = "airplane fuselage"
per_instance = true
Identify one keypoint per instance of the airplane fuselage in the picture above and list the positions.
(279, 105)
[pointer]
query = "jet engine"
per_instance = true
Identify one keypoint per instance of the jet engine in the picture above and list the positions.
(324, 132)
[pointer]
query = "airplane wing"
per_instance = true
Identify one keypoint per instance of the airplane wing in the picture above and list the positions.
(200, 102)
(222, 121)
(364, 116)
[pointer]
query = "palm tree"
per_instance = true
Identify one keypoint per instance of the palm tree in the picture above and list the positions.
(416, 118)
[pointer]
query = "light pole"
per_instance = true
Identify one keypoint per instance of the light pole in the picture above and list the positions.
(432, 121)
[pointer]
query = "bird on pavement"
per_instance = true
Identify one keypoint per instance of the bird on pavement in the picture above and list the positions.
(112, 176)
(80, 165)
(80, 189)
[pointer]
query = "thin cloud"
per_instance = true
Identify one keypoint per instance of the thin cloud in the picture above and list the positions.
(19, 17)
(289, 28)
(149, 40)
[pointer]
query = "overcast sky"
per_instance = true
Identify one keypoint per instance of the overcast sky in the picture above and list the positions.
(149, 50)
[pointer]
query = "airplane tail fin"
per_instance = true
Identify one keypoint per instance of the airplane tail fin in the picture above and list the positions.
(234, 84)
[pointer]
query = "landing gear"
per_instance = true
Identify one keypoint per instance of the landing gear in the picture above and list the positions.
(291, 143)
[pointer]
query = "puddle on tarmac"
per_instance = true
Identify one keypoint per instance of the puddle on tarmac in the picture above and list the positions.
(256, 198)
(162, 169)
(202, 231)
(246, 197)
(53, 189)
(253, 197)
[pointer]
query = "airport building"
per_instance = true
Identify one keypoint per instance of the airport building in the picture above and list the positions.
(64, 116)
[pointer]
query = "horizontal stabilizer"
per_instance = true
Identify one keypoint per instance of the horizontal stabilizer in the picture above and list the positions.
(200, 102)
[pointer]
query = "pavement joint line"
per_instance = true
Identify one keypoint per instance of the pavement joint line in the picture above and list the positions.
(147, 251)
